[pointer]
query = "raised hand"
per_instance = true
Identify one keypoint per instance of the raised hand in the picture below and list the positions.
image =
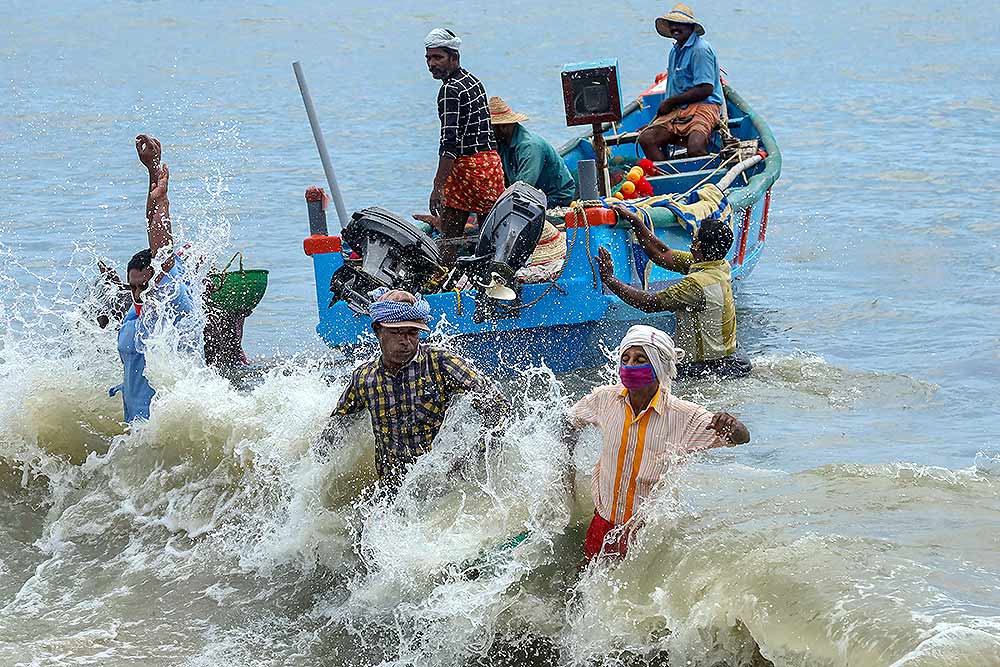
(605, 265)
(149, 151)
(629, 215)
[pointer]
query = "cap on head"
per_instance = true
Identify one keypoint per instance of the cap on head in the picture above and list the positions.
(442, 38)
(681, 13)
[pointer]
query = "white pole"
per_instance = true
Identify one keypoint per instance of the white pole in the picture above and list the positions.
(331, 178)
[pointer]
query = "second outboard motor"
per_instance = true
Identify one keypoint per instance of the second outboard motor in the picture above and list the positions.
(507, 237)
(394, 254)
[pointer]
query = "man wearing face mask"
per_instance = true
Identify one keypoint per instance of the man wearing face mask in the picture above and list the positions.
(158, 291)
(644, 428)
(408, 388)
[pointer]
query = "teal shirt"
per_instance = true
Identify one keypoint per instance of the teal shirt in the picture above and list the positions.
(692, 65)
(531, 159)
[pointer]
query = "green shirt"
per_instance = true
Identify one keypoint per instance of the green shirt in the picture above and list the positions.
(703, 304)
(531, 159)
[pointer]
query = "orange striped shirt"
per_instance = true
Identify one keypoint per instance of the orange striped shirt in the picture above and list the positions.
(638, 448)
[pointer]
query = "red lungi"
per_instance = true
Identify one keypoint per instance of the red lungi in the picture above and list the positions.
(598, 532)
(475, 183)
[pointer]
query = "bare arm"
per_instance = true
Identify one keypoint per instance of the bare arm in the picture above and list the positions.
(158, 230)
(644, 301)
(657, 251)
(149, 151)
(445, 164)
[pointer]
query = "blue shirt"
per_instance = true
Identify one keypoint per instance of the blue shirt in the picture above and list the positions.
(171, 298)
(692, 65)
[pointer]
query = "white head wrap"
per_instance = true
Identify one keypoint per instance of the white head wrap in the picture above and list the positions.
(658, 346)
(441, 38)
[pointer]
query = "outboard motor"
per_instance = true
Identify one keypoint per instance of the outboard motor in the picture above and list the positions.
(394, 254)
(507, 237)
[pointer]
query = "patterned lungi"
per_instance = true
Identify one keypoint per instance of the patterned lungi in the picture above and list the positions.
(698, 117)
(475, 183)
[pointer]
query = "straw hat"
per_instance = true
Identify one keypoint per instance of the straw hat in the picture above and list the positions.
(681, 13)
(502, 114)
(551, 246)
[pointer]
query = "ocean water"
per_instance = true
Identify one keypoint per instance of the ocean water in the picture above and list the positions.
(860, 527)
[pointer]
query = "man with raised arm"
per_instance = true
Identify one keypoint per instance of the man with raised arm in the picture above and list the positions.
(702, 301)
(159, 295)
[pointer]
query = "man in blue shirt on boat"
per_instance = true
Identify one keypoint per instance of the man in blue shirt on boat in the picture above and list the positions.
(694, 96)
(528, 157)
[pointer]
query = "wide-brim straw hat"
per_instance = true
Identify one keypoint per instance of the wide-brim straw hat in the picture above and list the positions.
(502, 114)
(681, 13)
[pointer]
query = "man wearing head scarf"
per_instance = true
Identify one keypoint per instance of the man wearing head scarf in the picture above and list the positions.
(408, 387)
(702, 300)
(469, 176)
(644, 428)
(694, 97)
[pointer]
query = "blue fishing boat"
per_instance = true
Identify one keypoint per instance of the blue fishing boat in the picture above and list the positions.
(564, 322)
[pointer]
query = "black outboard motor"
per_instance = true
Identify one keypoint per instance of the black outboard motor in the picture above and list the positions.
(394, 254)
(507, 238)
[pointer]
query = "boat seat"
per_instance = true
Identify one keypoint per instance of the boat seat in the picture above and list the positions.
(626, 138)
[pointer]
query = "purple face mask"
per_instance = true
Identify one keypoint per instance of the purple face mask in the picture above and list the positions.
(637, 377)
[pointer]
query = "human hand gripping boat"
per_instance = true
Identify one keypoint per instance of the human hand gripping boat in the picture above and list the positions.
(504, 323)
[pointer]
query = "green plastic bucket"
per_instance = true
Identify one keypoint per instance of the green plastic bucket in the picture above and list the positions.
(238, 291)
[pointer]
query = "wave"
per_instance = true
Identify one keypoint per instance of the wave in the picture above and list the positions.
(226, 503)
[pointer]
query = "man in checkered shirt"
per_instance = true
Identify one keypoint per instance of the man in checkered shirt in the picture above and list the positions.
(469, 177)
(408, 388)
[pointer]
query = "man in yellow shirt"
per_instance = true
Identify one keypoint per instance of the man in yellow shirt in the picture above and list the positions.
(702, 301)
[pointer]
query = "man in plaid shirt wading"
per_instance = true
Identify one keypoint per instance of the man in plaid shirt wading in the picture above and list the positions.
(469, 177)
(407, 389)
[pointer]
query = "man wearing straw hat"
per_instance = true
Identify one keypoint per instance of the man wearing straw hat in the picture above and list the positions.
(528, 157)
(469, 176)
(690, 110)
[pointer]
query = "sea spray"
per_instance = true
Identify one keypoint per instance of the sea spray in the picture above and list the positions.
(229, 510)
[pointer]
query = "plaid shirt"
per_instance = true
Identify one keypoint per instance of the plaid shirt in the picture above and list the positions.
(407, 408)
(465, 116)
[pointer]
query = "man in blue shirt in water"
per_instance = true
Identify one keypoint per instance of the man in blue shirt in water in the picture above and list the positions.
(159, 294)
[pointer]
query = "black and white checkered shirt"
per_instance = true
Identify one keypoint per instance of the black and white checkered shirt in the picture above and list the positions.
(465, 116)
